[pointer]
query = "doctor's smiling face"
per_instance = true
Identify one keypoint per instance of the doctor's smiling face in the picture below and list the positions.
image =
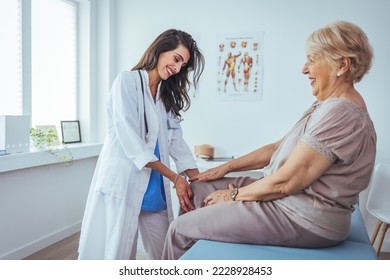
(170, 62)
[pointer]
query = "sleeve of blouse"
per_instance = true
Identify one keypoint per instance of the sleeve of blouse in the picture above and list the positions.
(335, 131)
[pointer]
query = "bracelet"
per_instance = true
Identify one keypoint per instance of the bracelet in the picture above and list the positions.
(174, 181)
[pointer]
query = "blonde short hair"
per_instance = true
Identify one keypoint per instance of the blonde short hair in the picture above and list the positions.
(343, 39)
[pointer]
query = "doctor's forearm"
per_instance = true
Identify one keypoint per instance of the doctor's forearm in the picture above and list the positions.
(162, 169)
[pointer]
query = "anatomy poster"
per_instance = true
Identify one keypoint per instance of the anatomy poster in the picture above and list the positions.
(239, 66)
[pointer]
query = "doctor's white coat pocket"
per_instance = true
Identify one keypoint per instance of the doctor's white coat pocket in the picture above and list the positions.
(113, 177)
(174, 129)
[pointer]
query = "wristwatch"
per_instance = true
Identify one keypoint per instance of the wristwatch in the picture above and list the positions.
(233, 193)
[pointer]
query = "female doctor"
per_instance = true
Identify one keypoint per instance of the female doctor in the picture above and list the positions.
(130, 189)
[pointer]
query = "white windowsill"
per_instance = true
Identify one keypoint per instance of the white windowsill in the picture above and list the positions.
(35, 158)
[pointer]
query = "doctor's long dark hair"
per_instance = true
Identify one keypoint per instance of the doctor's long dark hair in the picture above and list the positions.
(174, 90)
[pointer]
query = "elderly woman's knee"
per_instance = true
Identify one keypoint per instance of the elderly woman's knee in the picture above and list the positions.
(197, 183)
(176, 225)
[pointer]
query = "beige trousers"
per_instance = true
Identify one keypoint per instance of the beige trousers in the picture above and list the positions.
(236, 222)
(153, 227)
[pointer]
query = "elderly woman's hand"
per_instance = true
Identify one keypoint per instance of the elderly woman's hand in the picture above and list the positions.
(211, 174)
(219, 196)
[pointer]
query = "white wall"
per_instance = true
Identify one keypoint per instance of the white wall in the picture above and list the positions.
(235, 128)
(238, 127)
(41, 205)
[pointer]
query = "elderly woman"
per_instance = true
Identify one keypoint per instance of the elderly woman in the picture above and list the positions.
(312, 176)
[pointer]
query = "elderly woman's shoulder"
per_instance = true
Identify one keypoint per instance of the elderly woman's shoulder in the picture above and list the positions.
(339, 110)
(342, 104)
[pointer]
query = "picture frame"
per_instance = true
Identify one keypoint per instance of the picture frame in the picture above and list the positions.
(70, 132)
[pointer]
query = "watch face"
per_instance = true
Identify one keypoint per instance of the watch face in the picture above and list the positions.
(234, 193)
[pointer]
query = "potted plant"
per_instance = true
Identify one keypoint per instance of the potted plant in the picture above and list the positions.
(47, 139)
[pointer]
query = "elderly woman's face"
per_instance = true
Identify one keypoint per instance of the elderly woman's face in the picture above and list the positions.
(321, 74)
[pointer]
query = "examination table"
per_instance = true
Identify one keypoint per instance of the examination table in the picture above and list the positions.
(356, 247)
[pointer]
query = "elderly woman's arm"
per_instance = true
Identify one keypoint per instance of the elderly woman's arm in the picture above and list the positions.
(253, 160)
(303, 167)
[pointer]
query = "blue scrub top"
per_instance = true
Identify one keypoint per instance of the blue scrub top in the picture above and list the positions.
(154, 197)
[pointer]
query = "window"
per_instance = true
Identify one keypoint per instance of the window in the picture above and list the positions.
(10, 58)
(53, 41)
(52, 54)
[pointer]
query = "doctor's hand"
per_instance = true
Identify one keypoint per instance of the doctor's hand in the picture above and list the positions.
(184, 194)
(211, 174)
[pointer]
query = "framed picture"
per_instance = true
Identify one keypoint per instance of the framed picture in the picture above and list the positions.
(70, 132)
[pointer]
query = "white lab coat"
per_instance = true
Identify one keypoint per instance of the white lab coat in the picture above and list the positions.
(121, 178)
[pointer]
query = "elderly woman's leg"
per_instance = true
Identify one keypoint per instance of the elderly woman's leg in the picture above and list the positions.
(203, 189)
(236, 222)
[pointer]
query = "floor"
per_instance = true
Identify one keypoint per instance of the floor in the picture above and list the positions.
(67, 250)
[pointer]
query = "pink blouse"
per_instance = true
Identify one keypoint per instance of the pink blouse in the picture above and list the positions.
(342, 132)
